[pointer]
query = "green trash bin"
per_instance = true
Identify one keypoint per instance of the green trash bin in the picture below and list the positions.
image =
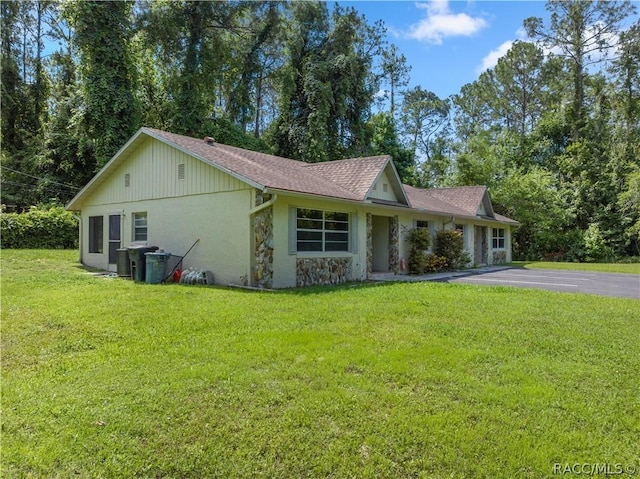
(138, 261)
(156, 267)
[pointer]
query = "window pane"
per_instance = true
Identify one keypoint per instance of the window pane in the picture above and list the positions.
(337, 237)
(114, 227)
(334, 225)
(334, 216)
(140, 226)
(309, 214)
(309, 246)
(422, 224)
(336, 246)
(310, 236)
(309, 224)
(96, 234)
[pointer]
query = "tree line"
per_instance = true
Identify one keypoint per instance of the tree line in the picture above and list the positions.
(553, 129)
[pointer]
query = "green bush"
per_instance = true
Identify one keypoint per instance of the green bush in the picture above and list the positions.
(435, 263)
(419, 240)
(450, 245)
(41, 227)
(595, 248)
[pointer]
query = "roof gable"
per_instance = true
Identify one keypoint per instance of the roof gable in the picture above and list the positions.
(360, 175)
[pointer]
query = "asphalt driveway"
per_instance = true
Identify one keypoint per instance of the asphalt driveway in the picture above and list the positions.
(605, 284)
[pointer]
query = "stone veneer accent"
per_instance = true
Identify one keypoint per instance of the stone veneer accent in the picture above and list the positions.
(263, 240)
(322, 271)
(499, 257)
(394, 244)
(369, 244)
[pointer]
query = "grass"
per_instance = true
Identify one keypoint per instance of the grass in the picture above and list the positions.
(104, 378)
(627, 268)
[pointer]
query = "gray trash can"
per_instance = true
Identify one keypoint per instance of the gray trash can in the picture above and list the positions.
(138, 261)
(156, 267)
(123, 267)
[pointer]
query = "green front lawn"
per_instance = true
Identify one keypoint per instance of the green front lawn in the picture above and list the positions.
(102, 377)
(628, 268)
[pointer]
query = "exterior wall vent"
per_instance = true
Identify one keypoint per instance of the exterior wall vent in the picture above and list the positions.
(181, 171)
(127, 180)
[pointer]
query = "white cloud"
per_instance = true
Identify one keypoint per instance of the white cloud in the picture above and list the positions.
(440, 22)
(491, 59)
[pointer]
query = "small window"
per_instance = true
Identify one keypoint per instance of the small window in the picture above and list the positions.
(96, 234)
(181, 171)
(127, 180)
(422, 224)
(140, 226)
(498, 238)
(460, 229)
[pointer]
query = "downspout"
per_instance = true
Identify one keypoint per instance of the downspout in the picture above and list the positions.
(263, 205)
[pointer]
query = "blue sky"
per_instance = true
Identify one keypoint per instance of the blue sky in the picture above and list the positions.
(449, 43)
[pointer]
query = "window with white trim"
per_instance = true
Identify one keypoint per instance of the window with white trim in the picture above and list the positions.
(140, 226)
(321, 231)
(96, 234)
(422, 224)
(498, 238)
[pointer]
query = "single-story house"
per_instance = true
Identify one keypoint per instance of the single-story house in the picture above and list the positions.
(271, 222)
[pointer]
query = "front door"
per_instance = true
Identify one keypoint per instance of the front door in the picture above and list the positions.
(380, 244)
(114, 238)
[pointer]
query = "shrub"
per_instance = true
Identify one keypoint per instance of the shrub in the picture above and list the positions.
(40, 227)
(595, 248)
(419, 240)
(435, 263)
(450, 245)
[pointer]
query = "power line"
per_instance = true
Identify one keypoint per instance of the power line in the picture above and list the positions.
(41, 179)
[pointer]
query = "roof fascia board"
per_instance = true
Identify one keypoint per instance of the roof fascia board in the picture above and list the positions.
(486, 202)
(299, 194)
(396, 175)
(186, 151)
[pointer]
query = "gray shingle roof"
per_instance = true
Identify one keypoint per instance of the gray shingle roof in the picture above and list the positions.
(349, 179)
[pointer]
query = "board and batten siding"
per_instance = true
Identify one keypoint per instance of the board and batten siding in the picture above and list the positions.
(382, 189)
(153, 174)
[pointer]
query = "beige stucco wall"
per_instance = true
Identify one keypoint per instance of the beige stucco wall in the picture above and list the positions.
(219, 220)
(206, 204)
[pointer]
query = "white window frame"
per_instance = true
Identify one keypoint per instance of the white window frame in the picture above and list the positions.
(498, 238)
(139, 226)
(294, 229)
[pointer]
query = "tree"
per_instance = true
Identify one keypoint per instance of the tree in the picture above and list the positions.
(385, 141)
(327, 84)
(520, 83)
(102, 31)
(582, 32)
(395, 73)
(424, 117)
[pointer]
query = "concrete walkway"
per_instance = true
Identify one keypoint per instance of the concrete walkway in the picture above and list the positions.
(605, 284)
